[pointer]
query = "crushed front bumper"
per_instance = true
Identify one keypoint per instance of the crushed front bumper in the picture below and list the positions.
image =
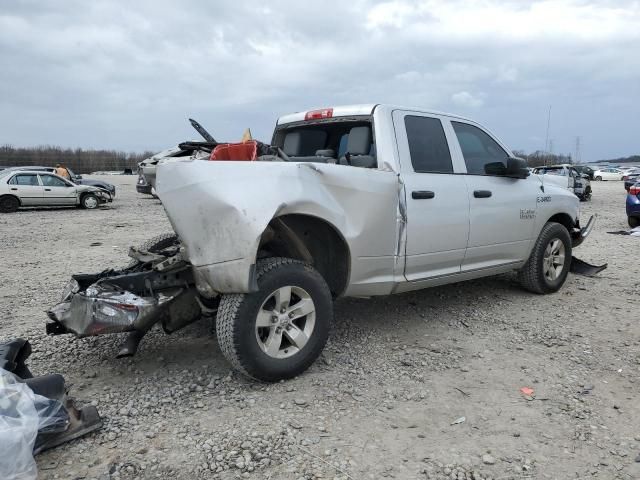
(579, 235)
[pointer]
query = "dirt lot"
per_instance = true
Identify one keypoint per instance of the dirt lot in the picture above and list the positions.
(388, 397)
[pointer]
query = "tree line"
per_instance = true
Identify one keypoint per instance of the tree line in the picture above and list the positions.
(540, 158)
(78, 160)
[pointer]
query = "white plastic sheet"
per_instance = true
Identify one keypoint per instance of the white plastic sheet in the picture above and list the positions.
(22, 414)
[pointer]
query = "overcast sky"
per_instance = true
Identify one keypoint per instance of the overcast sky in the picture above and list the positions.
(127, 75)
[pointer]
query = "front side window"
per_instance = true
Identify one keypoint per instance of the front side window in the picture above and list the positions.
(51, 181)
(428, 145)
(25, 179)
(482, 154)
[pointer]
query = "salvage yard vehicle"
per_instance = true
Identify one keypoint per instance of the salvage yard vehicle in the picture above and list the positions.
(28, 188)
(348, 201)
(75, 178)
(633, 205)
(147, 168)
(567, 177)
(630, 179)
(608, 174)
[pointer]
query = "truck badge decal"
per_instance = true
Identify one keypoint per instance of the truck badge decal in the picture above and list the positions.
(527, 214)
(544, 199)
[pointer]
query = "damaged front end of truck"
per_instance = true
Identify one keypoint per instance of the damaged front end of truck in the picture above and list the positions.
(155, 288)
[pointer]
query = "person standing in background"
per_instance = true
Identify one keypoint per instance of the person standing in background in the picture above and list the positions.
(62, 171)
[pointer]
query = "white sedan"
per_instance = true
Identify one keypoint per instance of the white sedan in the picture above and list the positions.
(26, 188)
(608, 174)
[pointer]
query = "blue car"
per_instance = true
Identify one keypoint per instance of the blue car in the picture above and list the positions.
(633, 205)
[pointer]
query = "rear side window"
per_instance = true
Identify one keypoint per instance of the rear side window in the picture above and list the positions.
(51, 181)
(29, 180)
(482, 154)
(428, 145)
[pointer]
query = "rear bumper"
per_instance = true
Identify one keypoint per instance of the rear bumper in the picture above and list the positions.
(579, 235)
(124, 302)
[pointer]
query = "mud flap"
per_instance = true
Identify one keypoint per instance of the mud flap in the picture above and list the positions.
(580, 267)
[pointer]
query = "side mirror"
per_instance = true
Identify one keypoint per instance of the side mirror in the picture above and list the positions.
(584, 175)
(77, 177)
(516, 168)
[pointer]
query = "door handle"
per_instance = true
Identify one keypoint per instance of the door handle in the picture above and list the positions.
(14, 188)
(482, 193)
(422, 194)
(47, 189)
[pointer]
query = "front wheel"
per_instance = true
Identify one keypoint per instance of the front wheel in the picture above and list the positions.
(598, 178)
(89, 201)
(548, 266)
(277, 332)
(633, 222)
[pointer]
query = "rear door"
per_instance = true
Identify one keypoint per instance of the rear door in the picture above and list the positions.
(437, 203)
(57, 191)
(502, 209)
(27, 188)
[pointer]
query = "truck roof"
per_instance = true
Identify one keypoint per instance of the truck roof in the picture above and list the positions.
(353, 110)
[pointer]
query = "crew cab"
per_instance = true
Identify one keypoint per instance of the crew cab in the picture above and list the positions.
(357, 200)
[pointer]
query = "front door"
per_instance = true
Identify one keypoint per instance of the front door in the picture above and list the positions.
(58, 191)
(502, 209)
(437, 204)
(27, 188)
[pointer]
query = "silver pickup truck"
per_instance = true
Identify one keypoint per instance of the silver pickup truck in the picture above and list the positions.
(357, 201)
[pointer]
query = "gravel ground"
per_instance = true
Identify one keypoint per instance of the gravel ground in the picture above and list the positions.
(420, 385)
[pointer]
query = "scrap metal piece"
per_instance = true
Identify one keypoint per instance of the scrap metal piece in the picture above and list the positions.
(581, 267)
(144, 256)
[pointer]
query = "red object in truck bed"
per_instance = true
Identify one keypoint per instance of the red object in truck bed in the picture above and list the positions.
(235, 151)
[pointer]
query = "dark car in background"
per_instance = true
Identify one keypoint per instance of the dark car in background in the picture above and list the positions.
(633, 205)
(75, 178)
(584, 170)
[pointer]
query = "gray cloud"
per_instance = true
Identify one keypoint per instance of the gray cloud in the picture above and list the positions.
(128, 74)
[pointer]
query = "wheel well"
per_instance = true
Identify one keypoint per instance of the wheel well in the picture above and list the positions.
(311, 240)
(9, 195)
(563, 219)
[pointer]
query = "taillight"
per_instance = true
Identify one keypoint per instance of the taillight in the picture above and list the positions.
(318, 114)
(634, 189)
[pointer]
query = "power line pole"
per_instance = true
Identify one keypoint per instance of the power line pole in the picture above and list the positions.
(577, 157)
(546, 138)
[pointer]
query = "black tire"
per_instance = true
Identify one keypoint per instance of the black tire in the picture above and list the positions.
(532, 275)
(633, 222)
(9, 204)
(156, 245)
(237, 314)
(89, 201)
(598, 179)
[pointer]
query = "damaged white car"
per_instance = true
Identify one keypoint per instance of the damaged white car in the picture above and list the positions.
(346, 201)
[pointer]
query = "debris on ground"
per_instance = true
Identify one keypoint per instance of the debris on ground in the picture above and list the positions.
(35, 413)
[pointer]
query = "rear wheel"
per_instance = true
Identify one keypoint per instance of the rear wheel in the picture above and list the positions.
(599, 178)
(9, 204)
(548, 266)
(634, 222)
(280, 330)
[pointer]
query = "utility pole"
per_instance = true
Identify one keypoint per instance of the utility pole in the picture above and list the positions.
(546, 138)
(577, 157)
